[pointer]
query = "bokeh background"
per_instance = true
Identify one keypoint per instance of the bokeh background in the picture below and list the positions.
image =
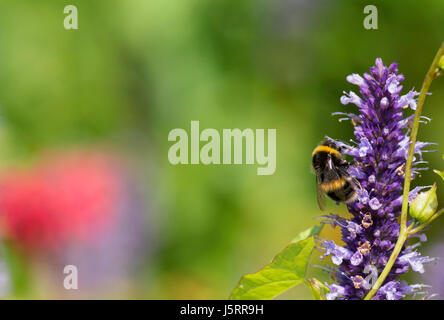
(85, 115)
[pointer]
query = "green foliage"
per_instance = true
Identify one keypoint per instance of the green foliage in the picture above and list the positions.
(287, 270)
(308, 233)
(440, 173)
(318, 289)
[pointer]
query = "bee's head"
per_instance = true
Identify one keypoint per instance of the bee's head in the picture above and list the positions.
(330, 143)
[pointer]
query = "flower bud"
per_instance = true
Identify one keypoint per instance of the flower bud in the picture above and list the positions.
(424, 205)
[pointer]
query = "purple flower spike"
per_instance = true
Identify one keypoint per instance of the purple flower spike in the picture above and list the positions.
(380, 153)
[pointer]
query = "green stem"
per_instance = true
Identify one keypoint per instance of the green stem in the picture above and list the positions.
(408, 173)
(425, 224)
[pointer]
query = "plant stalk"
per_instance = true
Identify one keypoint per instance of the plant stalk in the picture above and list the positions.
(403, 233)
(422, 226)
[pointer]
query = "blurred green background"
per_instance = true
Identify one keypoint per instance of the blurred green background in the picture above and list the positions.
(136, 69)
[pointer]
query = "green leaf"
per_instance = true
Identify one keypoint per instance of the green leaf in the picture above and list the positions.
(440, 173)
(286, 270)
(318, 289)
(308, 233)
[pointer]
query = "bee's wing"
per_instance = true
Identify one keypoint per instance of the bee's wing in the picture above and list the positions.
(344, 173)
(320, 196)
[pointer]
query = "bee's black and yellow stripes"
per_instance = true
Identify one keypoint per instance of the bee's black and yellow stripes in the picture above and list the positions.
(333, 185)
(326, 149)
(332, 176)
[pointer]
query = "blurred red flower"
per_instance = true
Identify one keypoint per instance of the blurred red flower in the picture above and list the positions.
(66, 198)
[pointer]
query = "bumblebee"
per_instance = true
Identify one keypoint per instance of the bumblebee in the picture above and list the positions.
(332, 177)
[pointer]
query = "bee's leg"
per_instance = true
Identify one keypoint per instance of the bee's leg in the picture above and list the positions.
(357, 182)
(344, 164)
(355, 163)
